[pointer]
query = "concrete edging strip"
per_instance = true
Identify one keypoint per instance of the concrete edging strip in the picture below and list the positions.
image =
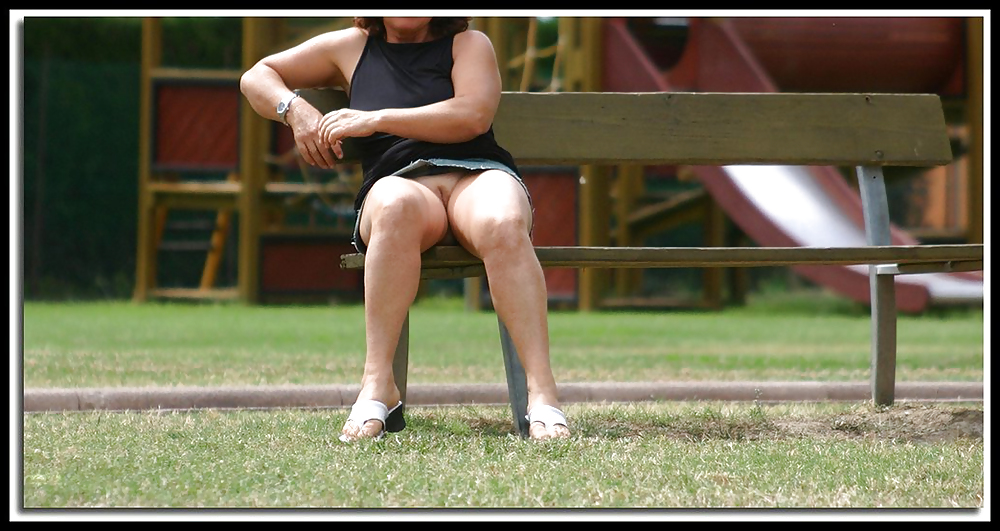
(333, 396)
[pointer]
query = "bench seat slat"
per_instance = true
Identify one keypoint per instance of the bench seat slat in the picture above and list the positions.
(454, 257)
(930, 267)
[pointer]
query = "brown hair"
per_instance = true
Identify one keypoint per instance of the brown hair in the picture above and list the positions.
(439, 27)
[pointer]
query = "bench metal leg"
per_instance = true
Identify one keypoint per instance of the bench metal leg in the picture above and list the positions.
(517, 383)
(883, 287)
(883, 376)
(401, 359)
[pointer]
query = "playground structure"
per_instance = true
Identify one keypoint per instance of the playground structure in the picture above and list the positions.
(194, 123)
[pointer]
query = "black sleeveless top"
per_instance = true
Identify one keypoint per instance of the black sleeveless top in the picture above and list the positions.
(407, 75)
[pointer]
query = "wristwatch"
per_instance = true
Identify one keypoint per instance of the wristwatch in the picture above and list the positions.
(285, 104)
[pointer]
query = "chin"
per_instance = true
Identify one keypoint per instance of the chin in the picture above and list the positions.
(406, 23)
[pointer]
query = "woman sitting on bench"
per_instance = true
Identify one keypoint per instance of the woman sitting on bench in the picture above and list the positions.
(423, 94)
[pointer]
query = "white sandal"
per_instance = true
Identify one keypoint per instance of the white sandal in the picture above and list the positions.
(364, 410)
(547, 415)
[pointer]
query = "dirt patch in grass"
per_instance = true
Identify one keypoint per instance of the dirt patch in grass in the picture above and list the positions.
(902, 422)
(914, 423)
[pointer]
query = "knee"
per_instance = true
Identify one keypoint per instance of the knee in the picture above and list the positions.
(500, 231)
(393, 205)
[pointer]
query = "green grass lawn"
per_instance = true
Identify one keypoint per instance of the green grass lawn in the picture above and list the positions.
(163, 344)
(650, 455)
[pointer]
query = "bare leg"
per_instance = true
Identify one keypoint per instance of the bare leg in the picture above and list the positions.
(400, 220)
(491, 217)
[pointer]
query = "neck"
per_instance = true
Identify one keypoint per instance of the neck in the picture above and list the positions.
(421, 35)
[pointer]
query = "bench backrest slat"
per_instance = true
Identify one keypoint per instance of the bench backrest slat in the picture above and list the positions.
(715, 128)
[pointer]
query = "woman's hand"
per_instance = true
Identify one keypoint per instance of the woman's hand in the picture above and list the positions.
(346, 123)
(317, 62)
(309, 140)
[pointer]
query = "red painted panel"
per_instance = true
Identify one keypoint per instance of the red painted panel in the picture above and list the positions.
(554, 196)
(856, 54)
(298, 265)
(197, 126)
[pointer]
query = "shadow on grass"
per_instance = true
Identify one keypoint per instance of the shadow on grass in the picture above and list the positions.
(705, 424)
(461, 420)
(905, 422)
(701, 425)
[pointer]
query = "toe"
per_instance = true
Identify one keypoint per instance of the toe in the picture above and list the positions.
(353, 432)
(540, 432)
(559, 431)
(537, 431)
(371, 428)
(349, 432)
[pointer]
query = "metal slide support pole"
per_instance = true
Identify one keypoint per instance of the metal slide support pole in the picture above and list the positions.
(883, 288)
(517, 383)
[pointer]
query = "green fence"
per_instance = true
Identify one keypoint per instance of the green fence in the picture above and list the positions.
(79, 138)
(80, 126)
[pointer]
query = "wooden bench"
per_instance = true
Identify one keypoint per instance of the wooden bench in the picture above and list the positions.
(864, 131)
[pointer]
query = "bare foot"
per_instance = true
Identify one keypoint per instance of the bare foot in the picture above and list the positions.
(547, 422)
(539, 432)
(371, 428)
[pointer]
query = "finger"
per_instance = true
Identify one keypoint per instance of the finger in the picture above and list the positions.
(326, 125)
(331, 135)
(338, 149)
(306, 156)
(313, 158)
(327, 157)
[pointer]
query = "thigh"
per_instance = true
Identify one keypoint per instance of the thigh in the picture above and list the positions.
(479, 201)
(423, 207)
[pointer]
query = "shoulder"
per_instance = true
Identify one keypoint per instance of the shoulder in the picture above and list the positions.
(326, 59)
(472, 43)
(339, 38)
(472, 38)
(342, 47)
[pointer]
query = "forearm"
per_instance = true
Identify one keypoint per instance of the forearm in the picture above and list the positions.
(447, 122)
(263, 89)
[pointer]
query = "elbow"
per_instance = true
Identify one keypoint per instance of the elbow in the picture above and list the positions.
(471, 117)
(246, 81)
(483, 124)
(254, 78)
(478, 123)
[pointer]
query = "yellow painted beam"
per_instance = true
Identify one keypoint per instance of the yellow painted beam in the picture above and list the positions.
(151, 56)
(583, 74)
(258, 37)
(628, 188)
(974, 106)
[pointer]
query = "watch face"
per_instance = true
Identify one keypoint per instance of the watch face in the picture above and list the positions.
(284, 105)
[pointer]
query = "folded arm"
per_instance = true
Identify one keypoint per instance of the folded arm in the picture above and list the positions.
(329, 60)
(322, 61)
(468, 114)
